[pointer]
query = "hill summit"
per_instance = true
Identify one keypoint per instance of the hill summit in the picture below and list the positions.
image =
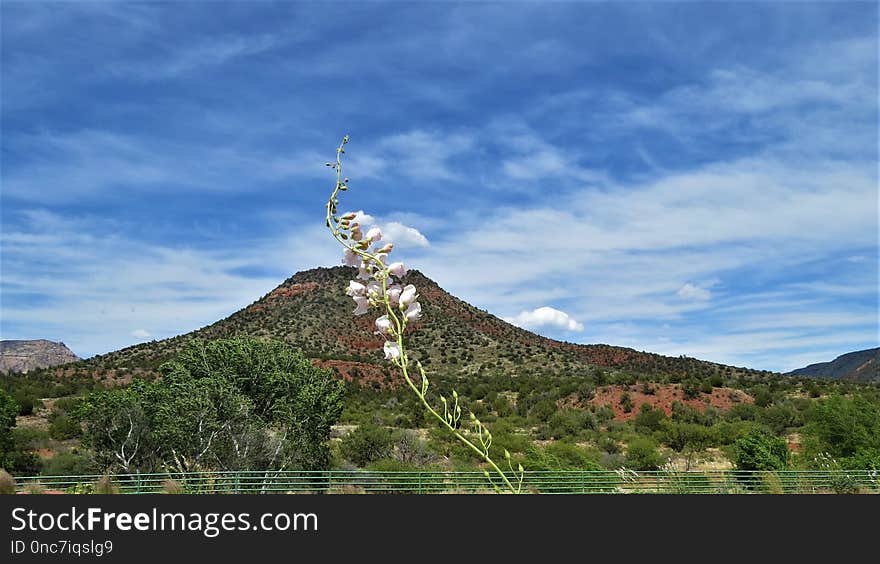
(310, 311)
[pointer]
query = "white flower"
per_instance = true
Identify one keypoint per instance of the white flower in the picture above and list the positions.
(394, 293)
(363, 305)
(374, 234)
(397, 269)
(408, 296)
(383, 257)
(383, 324)
(392, 351)
(374, 289)
(350, 258)
(364, 272)
(355, 289)
(413, 312)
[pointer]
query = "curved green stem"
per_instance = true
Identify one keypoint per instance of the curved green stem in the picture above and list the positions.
(399, 327)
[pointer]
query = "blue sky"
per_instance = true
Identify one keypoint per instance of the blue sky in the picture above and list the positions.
(690, 178)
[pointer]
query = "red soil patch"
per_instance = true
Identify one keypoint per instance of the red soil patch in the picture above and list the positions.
(361, 372)
(292, 290)
(663, 397)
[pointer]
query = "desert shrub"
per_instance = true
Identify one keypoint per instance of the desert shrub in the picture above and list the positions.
(842, 427)
(609, 445)
(762, 396)
(543, 410)
(626, 402)
(172, 487)
(63, 426)
(742, 412)
(410, 449)
(759, 451)
(236, 404)
(604, 413)
(106, 485)
(684, 413)
(570, 422)
(366, 444)
(7, 482)
(778, 418)
(686, 436)
(642, 454)
(691, 388)
(70, 463)
(502, 406)
(27, 403)
(35, 488)
(649, 419)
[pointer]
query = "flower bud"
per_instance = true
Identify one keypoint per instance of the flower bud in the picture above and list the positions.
(386, 249)
(349, 216)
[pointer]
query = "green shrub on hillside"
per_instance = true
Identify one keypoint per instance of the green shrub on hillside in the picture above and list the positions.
(642, 454)
(367, 444)
(759, 451)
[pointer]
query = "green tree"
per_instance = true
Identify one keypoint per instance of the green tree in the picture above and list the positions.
(649, 419)
(759, 451)
(8, 411)
(227, 404)
(366, 444)
(642, 454)
(12, 458)
(842, 426)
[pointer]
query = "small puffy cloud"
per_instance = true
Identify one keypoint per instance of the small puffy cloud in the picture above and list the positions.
(141, 334)
(404, 235)
(395, 231)
(366, 220)
(546, 317)
(694, 293)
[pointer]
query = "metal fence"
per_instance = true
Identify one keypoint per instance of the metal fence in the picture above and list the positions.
(428, 481)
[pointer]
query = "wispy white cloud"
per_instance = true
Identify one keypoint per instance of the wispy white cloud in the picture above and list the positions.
(94, 283)
(691, 292)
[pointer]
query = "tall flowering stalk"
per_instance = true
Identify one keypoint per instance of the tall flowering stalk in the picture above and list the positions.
(379, 286)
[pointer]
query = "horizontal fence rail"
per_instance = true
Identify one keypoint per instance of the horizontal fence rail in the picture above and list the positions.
(440, 481)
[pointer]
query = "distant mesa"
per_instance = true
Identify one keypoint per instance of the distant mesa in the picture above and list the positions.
(858, 366)
(24, 356)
